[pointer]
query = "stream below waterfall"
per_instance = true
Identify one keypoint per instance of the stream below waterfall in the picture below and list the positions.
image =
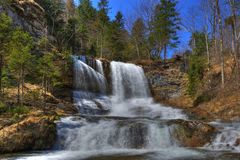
(126, 124)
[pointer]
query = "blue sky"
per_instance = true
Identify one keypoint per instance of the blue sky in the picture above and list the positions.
(125, 6)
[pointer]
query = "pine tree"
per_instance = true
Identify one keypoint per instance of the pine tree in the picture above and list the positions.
(70, 9)
(48, 71)
(54, 10)
(165, 26)
(20, 58)
(5, 35)
(103, 22)
(116, 39)
(86, 18)
(138, 35)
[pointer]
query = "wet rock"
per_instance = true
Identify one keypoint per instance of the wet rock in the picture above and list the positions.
(32, 133)
(137, 132)
(192, 133)
(237, 143)
(29, 15)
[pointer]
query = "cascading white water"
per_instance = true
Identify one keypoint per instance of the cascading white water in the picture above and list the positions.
(131, 94)
(228, 139)
(86, 78)
(115, 134)
(100, 67)
(131, 98)
(128, 81)
(133, 123)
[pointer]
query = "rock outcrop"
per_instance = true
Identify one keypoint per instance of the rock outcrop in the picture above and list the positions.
(32, 133)
(192, 133)
(168, 82)
(28, 15)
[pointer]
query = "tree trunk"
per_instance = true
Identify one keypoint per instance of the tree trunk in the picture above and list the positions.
(221, 43)
(165, 53)
(234, 36)
(22, 82)
(1, 67)
(207, 49)
(19, 81)
(101, 47)
(137, 48)
(53, 26)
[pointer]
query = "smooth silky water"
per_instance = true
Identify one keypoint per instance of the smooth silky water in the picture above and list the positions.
(126, 125)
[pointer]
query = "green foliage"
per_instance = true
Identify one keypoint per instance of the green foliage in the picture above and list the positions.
(13, 110)
(198, 43)
(204, 97)
(197, 65)
(3, 108)
(20, 47)
(19, 110)
(138, 35)
(54, 10)
(165, 25)
(115, 37)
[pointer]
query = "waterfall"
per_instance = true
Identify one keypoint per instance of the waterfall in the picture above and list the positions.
(90, 87)
(100, 67)
(228, 139)
(115, 134)
(126, 123)
(130, 98)
(86, 78)
(128, 81)
(131, 94)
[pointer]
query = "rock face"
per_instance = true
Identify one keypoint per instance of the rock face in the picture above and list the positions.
(167, 82)
(28, 15)
(33, 133)
(192, 133)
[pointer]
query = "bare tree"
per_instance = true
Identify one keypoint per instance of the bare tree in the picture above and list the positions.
(205, 12)
(235, 36)
(220, 25)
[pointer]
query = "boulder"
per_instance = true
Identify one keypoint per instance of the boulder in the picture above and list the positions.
(32, 133)
(192, 133)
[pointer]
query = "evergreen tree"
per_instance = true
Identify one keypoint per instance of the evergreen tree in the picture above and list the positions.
(116, 39)
(70, 9)
(198, 44)
(86, 24)
(138, 35)
(20, 58)
(165, 26)
(48, 70)
(103, 22)
(54, 10)
(5, 35)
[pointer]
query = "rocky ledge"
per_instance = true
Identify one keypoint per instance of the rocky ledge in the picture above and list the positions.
(192, 133)
(32, 133)
(29, 15)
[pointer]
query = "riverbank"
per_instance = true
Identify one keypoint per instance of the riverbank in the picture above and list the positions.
(169, 86)
(31, 126)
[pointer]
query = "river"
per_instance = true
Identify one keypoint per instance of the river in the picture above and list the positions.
(126, 124)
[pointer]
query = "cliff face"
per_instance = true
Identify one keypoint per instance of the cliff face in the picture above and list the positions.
(169, 86)
(167, 82)
(28, 15)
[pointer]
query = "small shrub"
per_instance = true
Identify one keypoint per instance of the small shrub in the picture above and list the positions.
(205, 97)
(19, 110)
(3, 108)
(33, 95)
(197, 66)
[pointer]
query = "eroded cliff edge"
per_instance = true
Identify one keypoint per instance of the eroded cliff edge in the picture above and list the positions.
(28, 15)
(169, 86)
